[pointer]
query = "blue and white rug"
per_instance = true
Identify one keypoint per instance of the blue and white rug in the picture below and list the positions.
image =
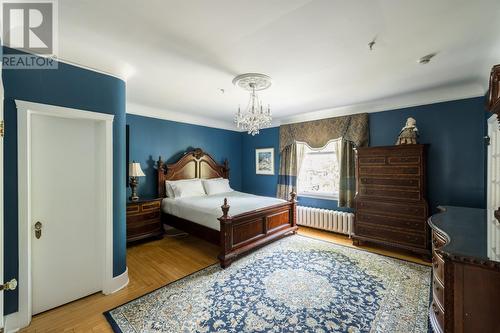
(297, 284)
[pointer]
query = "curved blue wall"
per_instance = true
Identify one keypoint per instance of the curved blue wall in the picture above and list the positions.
(68, 86)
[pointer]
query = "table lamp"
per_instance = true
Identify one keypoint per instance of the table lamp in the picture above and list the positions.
(134, 171)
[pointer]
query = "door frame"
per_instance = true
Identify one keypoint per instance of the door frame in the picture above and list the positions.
(25, 111)
(2, 138)
(492, 183)
(492, 124)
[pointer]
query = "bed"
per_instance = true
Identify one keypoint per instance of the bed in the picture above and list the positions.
(251, 222)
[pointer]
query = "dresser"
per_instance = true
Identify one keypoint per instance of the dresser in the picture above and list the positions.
(466, 271)
(391, 204)
(143, 219)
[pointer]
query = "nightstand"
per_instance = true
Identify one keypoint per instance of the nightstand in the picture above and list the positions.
(144, 219)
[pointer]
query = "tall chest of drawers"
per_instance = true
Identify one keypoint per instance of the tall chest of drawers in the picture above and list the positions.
(391, 203)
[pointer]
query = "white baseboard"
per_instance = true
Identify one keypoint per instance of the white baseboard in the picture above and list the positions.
(117, 283)
(11, 323)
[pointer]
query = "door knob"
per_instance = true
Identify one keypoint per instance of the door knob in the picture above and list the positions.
(38, 229)
(11, 285)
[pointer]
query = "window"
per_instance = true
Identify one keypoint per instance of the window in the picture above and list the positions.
(319, 172)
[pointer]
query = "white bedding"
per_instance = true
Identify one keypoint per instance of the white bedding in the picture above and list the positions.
(205, 210)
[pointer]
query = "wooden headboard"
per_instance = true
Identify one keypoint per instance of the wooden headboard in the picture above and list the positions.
(193, 164)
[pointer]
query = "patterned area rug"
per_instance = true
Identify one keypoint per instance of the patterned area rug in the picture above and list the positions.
(297, 284)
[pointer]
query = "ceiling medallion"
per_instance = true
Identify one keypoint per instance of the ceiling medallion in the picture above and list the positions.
(254, 117)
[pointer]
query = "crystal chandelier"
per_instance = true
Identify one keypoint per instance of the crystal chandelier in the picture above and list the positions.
(255, 116)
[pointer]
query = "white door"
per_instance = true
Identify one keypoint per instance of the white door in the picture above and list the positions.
(493, 200)
(67, 166)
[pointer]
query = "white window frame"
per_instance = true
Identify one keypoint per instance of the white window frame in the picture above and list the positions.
(333, 196)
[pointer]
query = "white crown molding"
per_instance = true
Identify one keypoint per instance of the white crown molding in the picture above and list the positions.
(72, 63)
(418, 98)
(147, 111)
(424, 97)
(92, 69)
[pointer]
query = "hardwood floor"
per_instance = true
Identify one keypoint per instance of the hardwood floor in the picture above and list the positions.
(152, 265)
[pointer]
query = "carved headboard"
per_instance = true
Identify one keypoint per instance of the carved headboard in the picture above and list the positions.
(193, 164)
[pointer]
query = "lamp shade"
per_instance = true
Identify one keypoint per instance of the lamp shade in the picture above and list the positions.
(134, 170)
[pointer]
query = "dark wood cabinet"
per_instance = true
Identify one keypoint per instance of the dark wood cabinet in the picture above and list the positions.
(391, 203)
(465, 272)
(143, 219)
(494, 91)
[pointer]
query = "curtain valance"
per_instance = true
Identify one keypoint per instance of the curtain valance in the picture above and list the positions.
(317, 133)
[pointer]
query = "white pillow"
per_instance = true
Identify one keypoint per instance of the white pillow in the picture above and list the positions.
(216, 186)
(168, 189)
(186, 189)
(168, 186)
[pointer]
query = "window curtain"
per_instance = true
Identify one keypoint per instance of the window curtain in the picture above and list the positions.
(317, 133)
(354, 132)
(290, 161)
(347, 183)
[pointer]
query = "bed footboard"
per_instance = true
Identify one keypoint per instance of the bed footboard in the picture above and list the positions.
(242, 233)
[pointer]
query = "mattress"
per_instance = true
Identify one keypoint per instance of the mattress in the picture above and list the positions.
(205, 210)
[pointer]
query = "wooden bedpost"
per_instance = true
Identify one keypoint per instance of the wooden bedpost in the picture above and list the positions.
(160, 183)
(293, 200)
(225, 169)
(225, 235)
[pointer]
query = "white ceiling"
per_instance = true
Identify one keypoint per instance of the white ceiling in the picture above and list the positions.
(177, 55)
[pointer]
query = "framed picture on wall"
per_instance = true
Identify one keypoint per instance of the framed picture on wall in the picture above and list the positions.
(264, 161)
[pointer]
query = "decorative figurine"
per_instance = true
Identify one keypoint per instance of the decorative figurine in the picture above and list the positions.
(409, 133)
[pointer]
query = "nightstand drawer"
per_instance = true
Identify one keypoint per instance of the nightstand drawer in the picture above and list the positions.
(146, 207)
(132, 219)
(135, 208)
(142, 228)
(144, 219)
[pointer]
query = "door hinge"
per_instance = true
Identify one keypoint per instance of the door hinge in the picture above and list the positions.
(487, 140)
(2, 131)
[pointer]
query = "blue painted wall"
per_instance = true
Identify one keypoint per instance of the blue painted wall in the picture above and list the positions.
(73, 87)
(456, 159)
(260, 184)
(150, 138)
(456, 156)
